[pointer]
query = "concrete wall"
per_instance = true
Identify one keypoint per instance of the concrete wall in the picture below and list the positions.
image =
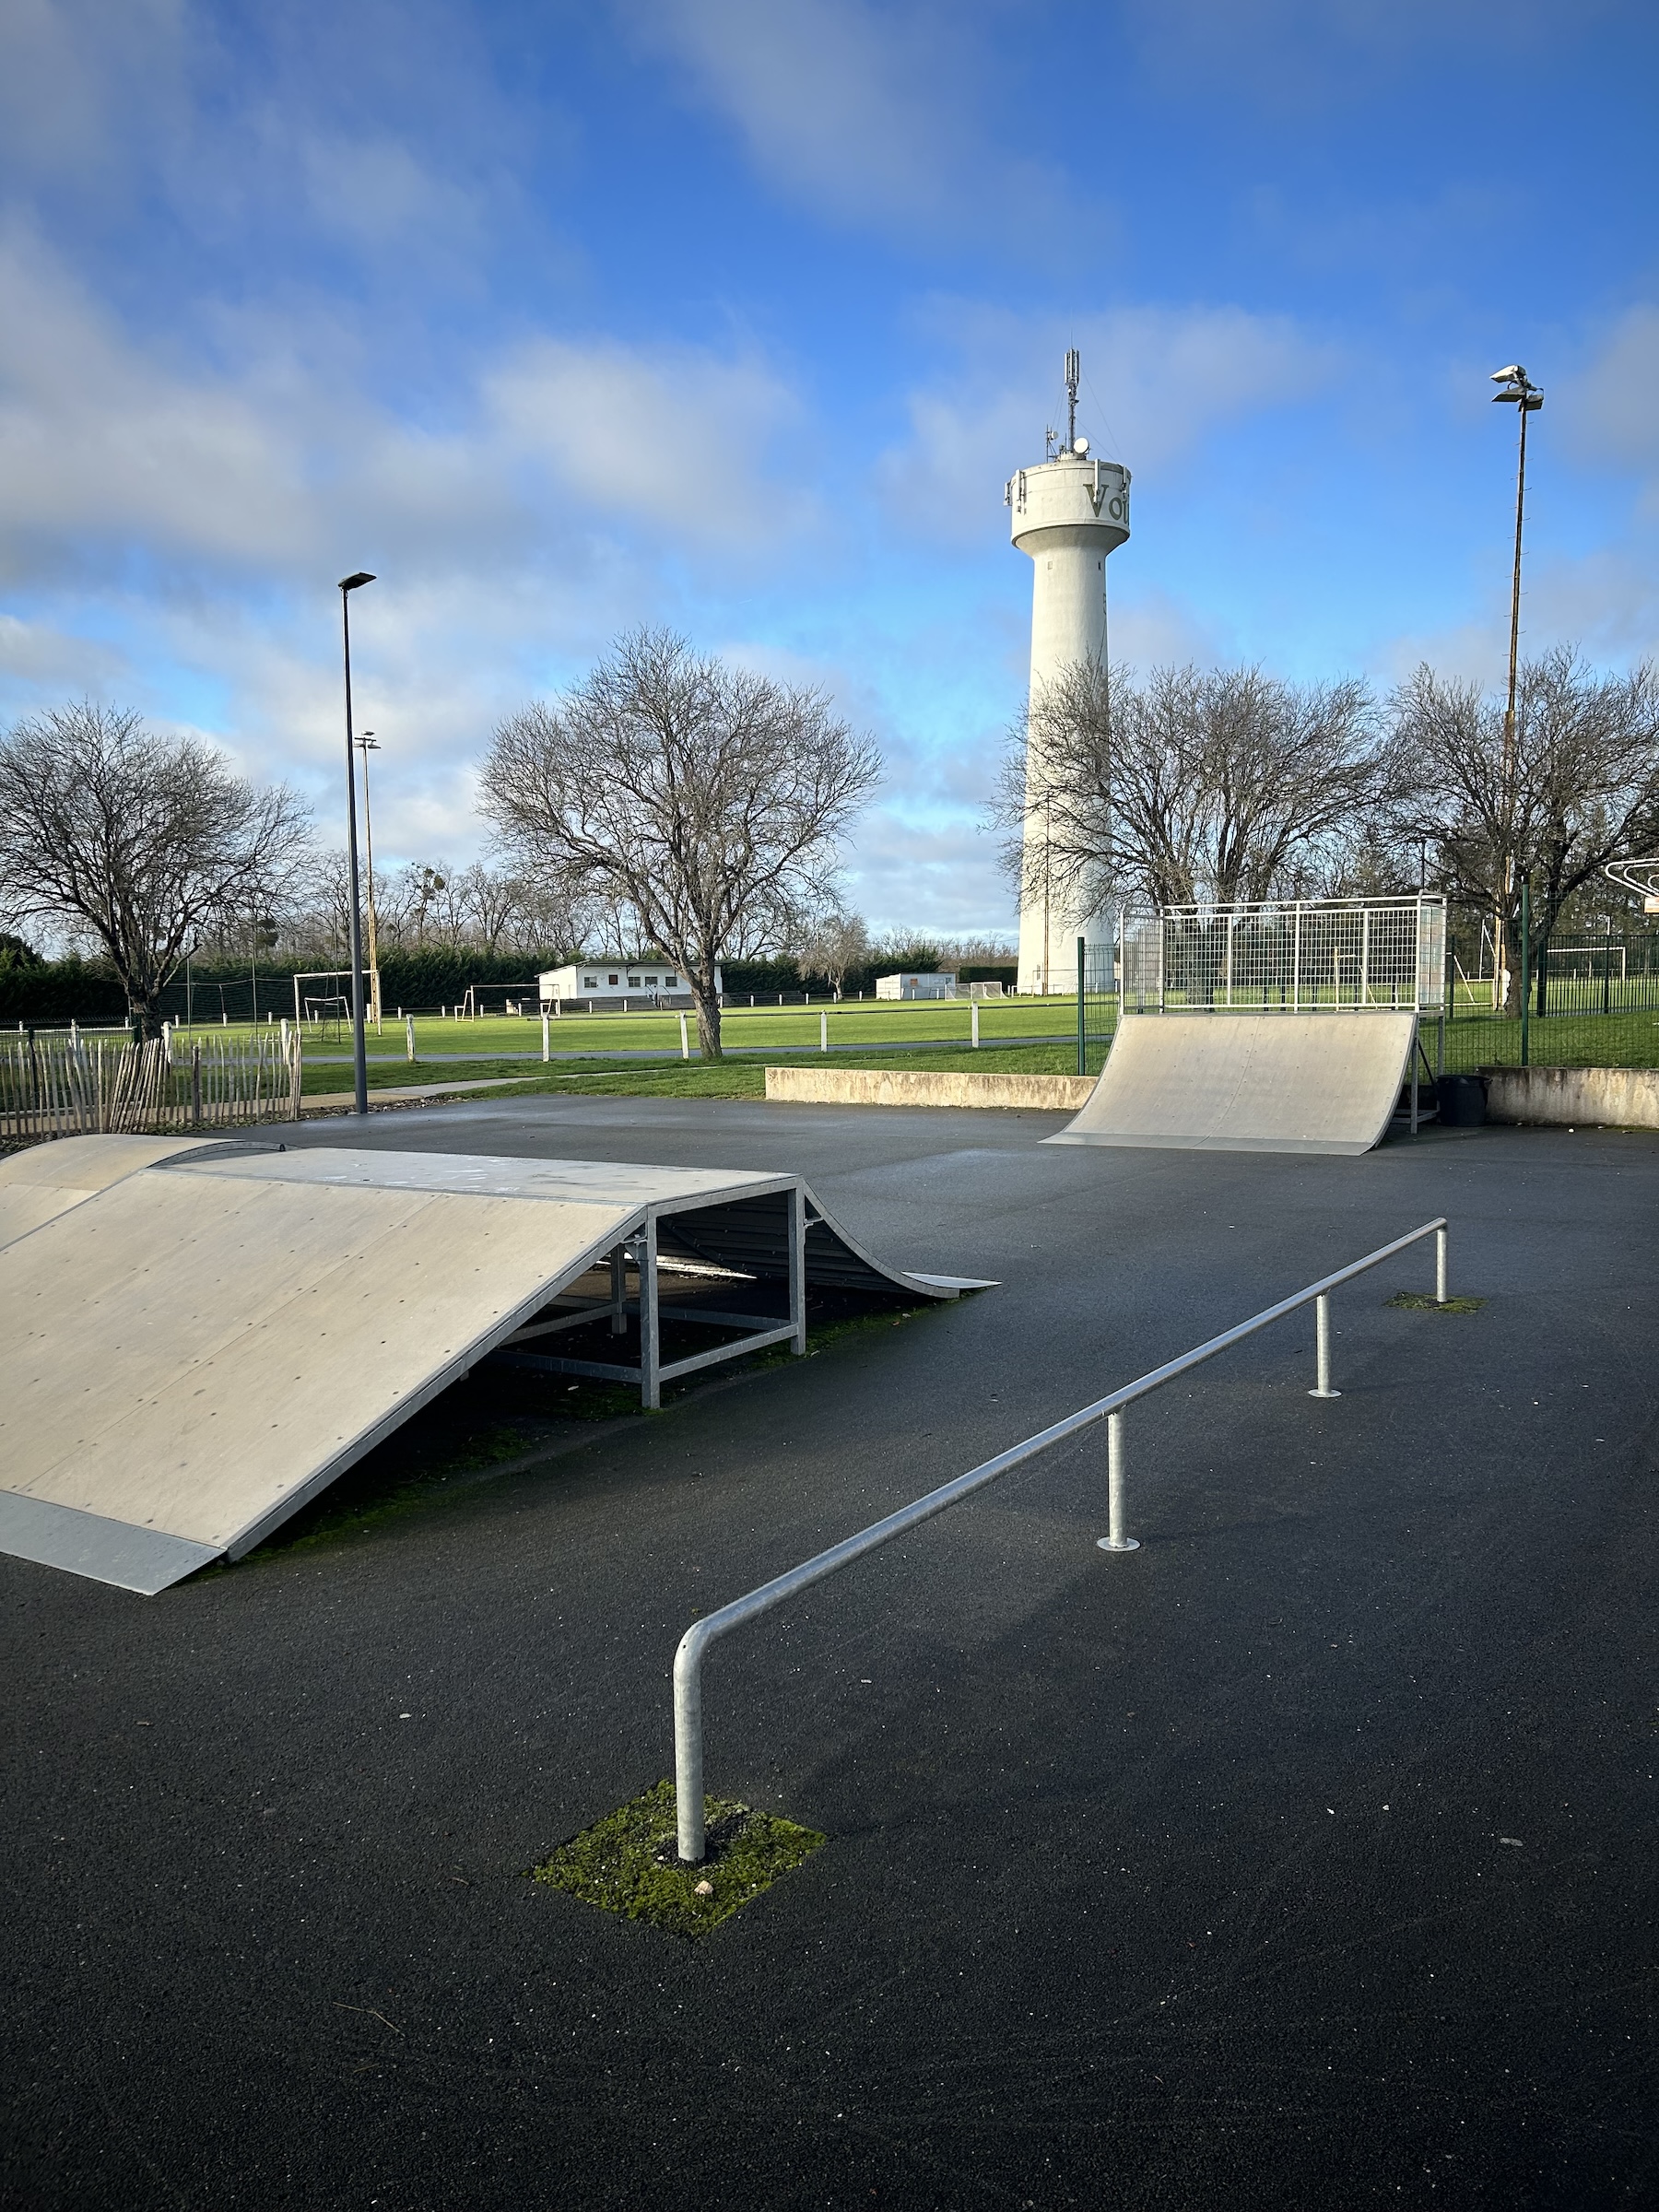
(901, 1087)
(1570, 1098)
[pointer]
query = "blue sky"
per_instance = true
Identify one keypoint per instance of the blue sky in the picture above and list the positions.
(735, 314)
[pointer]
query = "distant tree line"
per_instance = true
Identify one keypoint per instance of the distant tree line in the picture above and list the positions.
(1189, 785)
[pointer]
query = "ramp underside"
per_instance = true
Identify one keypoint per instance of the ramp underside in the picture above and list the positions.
(1226, 1082)
(195, 1340)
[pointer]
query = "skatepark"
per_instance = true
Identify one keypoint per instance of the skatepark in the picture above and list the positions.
(1294, 1857)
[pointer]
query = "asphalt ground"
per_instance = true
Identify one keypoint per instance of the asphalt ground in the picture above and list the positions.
(1303, 1857)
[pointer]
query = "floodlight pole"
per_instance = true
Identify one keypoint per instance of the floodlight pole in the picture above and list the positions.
(1520, 392)
(368, 744)
(359, 1056)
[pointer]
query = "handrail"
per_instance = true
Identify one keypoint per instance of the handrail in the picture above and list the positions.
(688, 1657)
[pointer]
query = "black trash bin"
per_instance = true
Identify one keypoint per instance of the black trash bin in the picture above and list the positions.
(1462, 1100)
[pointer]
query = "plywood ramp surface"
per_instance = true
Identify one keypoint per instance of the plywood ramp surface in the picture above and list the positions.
(215, 1349)
(43, 1180)
(195, 1339)
(1229, 1082)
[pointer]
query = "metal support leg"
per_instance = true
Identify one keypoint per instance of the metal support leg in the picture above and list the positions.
(651, 1389)
(1440, 1258)
(1115, 1540)
(1322, 1336)
(618, 1292)
(797, 1202)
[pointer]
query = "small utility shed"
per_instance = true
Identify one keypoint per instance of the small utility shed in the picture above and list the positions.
(613, 982)
(915, 986)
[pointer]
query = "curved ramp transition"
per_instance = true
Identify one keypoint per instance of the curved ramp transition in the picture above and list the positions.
(196, 1338)
(1226, 1082)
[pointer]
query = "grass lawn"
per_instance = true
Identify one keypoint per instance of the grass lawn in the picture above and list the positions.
(763, 1029)
(734, 1077)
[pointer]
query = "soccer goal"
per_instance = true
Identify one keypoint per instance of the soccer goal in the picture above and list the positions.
(500, 998)
(323, 1001)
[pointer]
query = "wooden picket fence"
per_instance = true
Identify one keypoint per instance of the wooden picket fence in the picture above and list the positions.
(78, 1086)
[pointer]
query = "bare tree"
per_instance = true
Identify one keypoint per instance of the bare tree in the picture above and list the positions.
(832, 943)
(141, 843)
(1220, 784)
(1586, 784)
(705, 800)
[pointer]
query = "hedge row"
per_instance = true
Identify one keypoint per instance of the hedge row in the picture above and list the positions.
(86, 990)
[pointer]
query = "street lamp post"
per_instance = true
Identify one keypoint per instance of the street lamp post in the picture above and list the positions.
(360, 1057)
(1524, 395)
(368, 744)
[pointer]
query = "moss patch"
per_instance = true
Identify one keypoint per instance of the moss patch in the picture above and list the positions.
(628, 1863)
(1421, 1300)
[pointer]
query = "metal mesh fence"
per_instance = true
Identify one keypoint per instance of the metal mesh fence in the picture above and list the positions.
(1591, 1002)
(1292, 956)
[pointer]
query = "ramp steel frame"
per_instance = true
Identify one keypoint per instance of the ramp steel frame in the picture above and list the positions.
(650, 1372)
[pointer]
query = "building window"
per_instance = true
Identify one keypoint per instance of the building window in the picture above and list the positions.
(671, 983)
(611, 980)
(590, 982)
(633, 983)
(651, 979)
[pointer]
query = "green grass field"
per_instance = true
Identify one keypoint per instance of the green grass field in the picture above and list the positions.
(1028, 1036)
(786, 1028)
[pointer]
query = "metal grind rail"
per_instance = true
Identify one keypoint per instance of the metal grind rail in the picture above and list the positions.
(694, 1643)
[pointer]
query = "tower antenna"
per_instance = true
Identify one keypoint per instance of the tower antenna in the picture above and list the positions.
(1074, 371)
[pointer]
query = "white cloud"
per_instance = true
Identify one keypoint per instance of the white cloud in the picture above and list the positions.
(1159, 382)
(1608, 406)
(879, 114)
(282, 468)
(669, 436)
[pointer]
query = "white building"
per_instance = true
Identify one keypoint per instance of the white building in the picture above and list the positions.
(915, 986)
(611, 981)
(1068, 515)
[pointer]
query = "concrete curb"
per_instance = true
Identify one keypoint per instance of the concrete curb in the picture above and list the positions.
(1571, 1098)
(905, 1087)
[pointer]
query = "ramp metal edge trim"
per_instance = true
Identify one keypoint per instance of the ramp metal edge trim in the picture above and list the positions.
(129, 1558)
(1154, 1142)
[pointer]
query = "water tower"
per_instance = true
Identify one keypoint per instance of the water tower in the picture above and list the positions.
(1069, 514)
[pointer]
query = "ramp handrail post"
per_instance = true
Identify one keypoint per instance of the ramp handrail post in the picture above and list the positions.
(1322, 1340)
(619, 1291)
(1115, 1539)
(1441, 1256)
(688, 1746)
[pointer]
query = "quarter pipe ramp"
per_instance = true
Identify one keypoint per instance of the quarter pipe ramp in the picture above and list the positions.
(1237, 1082)
(196, 1338)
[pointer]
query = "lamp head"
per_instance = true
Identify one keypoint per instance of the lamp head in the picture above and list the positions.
(350, 584)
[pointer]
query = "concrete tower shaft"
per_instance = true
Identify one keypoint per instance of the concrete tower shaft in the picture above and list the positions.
(1068, 515)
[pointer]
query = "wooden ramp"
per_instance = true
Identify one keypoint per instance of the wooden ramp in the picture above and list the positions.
(195, 1339)
(1234, 1082)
